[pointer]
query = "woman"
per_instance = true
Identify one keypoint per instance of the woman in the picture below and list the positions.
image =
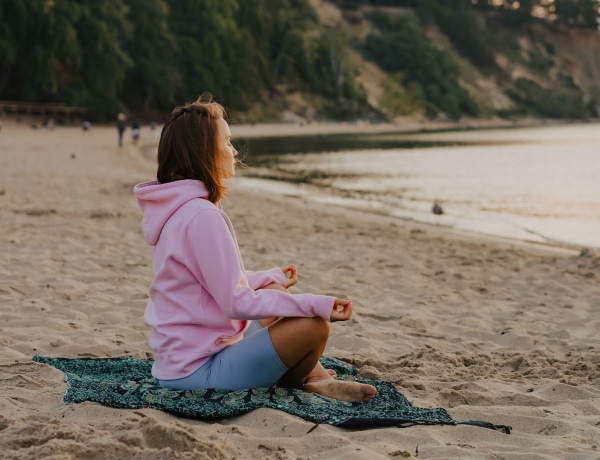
(215, 324)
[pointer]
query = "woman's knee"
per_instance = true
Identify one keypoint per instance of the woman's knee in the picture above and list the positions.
(307, 331)
(319, 327)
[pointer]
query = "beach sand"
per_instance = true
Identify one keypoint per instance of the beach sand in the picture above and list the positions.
(488, 329)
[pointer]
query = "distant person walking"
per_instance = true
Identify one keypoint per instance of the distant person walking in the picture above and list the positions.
(135, 131)
(121, 127)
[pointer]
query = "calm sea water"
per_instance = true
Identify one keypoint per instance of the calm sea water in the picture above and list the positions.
(537, 184)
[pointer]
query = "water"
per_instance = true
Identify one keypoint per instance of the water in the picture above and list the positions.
(536, 184)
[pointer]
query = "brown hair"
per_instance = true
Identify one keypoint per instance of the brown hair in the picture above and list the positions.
(188, 147)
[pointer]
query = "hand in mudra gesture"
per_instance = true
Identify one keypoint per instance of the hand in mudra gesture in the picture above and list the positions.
(291, 273)
(342, 310)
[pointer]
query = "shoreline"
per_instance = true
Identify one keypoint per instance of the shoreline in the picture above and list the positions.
(550, 247)
(258, 131)
(406, 125)
(411, 128)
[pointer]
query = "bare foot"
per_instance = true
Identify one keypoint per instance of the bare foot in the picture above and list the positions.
(343, 390)
(320, 373)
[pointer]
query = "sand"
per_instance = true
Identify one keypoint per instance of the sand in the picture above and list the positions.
(487, 329)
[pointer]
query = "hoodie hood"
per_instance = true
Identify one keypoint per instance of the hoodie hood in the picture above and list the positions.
(159, 202)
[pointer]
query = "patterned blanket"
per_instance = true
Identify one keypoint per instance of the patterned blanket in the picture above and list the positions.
(128, 383)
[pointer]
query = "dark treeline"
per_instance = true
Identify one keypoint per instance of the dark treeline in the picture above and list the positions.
(145, 56)
(578, 13)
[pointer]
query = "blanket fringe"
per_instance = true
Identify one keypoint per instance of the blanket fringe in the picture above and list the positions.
(503, 428)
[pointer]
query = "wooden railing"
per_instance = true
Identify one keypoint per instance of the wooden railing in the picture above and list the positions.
(35, 108)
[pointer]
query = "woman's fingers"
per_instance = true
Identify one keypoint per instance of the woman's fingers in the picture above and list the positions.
(342, 310)
(291, 273)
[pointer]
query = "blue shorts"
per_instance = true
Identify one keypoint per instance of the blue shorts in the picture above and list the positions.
(250, 363)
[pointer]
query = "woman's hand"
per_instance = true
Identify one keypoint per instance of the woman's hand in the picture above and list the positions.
(342, 310)
(291, 274)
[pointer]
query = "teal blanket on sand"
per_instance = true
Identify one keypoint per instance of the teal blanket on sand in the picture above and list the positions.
(128, 383)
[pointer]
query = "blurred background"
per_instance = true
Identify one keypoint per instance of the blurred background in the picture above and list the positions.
(304, 60)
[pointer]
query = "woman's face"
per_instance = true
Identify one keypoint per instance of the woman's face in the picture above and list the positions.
(227, 152)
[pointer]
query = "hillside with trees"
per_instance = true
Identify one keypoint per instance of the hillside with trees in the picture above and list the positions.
(306, 59)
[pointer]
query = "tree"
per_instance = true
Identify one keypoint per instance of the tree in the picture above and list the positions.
(40, 43)
(8, 40)
(278, 46)
(579, 13)
(102, 30)
(154, 80)
(401, 47)
(212, 47)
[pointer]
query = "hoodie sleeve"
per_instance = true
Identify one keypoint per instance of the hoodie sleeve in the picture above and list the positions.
(214, 258)
(262, 278)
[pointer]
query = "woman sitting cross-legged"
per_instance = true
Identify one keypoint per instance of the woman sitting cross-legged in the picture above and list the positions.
(214, 323)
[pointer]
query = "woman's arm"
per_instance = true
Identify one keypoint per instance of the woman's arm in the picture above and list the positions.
(215, 260)
(286, 277)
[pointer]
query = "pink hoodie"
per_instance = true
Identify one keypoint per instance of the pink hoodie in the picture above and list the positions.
(202, 297)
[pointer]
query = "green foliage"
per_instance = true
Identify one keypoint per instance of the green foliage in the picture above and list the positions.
(146, 56)
(64, 50)
(577, 13)
(8, 41)
(210, 45)
(38, 40)
(328, 72)
(400, 46)
(101, 65)
(355, 4)
(402, 101)
(539, 62)
(458, 21)
(278, 32)
(154, 80)
(580, 13)
(564, 102)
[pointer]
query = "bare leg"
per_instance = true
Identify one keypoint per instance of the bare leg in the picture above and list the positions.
(318, 372)
(300, 343)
